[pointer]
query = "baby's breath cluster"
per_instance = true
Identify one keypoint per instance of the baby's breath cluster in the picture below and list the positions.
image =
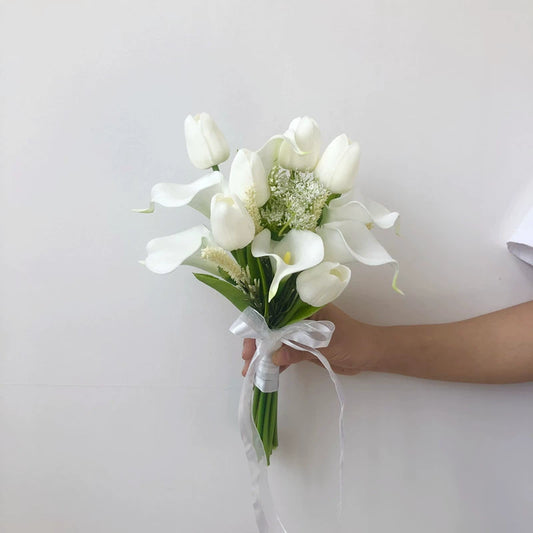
(296, 201)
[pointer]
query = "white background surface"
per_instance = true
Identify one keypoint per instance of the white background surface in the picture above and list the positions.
(119, 388)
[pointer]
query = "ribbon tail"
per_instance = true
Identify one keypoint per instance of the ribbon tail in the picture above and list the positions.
(266, 516)
(340, 396)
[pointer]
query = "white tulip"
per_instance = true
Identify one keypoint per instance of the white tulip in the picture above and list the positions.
(232, 226)
(165, 254)
(323, 283)
(247, 172)
(297, 251)
(338, 165)
(206, 145)
(304, 133)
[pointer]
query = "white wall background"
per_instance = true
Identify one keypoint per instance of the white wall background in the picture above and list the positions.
(119, 388)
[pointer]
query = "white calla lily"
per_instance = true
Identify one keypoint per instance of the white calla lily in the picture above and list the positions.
(197, 194)
(322, 283)
(248, 174)
(269, 152)
(338, 165)
(350, 240)
(298, 250)
(305, 134)
(362, 210)
(232, 226)
(165, 254)
(206, 145)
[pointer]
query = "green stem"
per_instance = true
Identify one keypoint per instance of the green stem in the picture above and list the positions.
(283, 228)
(240, 256)
(273, 421)
(215, 168)
(255, 403)
(294, 300)
(288, 299)
(264, 287)
(252, 261)
(260, 412)
(265, 430)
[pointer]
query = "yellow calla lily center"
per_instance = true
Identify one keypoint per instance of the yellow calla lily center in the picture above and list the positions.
(287, 258)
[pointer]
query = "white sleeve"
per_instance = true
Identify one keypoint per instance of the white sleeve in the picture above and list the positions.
(521, 242)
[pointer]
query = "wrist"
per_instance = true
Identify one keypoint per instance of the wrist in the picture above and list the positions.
(403, 349)
(379, 349)
(368, 347)
(391, 347)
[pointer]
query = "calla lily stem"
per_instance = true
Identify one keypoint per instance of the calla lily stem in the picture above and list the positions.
(261, 413)
(273, 421)
(265, 430)
(264, 287)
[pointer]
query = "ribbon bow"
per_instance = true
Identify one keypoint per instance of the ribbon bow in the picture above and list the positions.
(306, 335)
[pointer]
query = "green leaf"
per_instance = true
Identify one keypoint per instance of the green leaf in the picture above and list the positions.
(240, 256)
(332, 196)
(301, 311)
(251, 261)
(238, 298)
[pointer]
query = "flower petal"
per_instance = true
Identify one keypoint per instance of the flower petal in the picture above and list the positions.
(297, 251)
(165, 254)
(349, 241)
(323, 283)
(338, 165)
(365, 211)
(233, 227)
(206, 145)
(269, 152)
(197, 194)
(304, 133)
(248, 174)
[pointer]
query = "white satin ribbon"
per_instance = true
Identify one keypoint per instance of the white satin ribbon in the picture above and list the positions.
(307, 336)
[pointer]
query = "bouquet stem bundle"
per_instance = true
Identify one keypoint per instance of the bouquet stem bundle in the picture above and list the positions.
(286, 307)
(265, 415)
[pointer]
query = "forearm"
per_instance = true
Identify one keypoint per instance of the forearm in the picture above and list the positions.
(493, 348)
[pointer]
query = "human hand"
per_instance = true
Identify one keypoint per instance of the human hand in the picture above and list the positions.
(353, 347)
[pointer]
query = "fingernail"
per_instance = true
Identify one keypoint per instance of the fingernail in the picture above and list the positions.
(281, 357)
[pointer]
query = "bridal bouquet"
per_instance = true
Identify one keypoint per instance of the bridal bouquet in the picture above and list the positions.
(282, 227)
